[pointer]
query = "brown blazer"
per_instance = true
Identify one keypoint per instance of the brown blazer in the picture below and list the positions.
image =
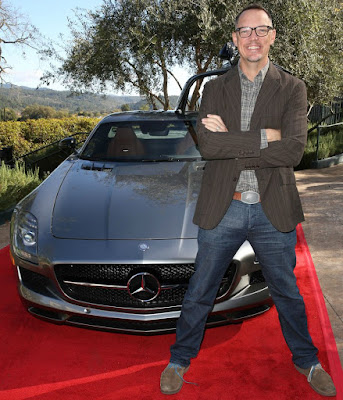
(281, 104)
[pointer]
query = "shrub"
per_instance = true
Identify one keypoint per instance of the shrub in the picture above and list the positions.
(26, 136)
(330, 144)
(16, 183)
(36, 111)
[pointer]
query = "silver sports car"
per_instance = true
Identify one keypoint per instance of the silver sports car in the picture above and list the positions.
(107, 240)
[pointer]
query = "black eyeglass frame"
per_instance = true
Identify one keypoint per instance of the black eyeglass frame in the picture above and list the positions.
(269, 28)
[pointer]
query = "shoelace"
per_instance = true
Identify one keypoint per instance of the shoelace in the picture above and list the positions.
(176, 366)
(313, 368)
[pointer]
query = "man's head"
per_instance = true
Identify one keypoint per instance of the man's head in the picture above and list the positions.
(254, 44)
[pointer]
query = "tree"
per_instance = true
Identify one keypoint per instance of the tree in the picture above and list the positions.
(310, 44)
(8, 114)
(125, 107)
(134, 44)
(126, 43)
(309, 39)
(14, 30)
(37, 111)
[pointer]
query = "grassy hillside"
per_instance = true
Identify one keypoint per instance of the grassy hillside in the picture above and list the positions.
(18, 97)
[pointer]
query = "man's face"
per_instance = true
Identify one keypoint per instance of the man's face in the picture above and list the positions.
(254, 49)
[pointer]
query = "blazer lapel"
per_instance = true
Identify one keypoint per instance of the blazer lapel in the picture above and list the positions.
(232, 96)
(270, 85)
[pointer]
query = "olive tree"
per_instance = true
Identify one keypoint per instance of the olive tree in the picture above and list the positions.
(310, 44)
(126, 44)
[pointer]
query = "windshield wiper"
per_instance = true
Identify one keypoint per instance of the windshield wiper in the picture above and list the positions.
(161, 158)
(89, 158)
(180, 158)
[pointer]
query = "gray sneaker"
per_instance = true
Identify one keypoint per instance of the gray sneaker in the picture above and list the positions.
(172, 378)
(319, 380)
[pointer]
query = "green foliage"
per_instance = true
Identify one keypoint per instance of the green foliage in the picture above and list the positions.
(8, 114)
(330, 144)
(310, 44)
(125, 107)
(16, 183)
(37, 111)
(26, 136)
(127, 43)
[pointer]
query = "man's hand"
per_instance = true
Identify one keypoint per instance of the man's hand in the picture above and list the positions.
(214, 123)
(273, 134)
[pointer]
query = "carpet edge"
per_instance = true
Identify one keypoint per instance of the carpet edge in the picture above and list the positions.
(329, 339)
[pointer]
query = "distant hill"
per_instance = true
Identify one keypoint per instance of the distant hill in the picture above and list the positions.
(19, 97)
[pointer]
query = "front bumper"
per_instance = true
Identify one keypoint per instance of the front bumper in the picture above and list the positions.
(49, 306)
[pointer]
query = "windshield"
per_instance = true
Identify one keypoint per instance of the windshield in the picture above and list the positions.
(143, 140)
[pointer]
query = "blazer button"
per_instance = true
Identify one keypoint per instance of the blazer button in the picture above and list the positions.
(234, 179)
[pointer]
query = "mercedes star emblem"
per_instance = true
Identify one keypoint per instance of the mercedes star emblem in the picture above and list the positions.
(143, 287)
(143, 247)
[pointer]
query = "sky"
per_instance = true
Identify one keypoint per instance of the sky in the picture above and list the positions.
(50, 18)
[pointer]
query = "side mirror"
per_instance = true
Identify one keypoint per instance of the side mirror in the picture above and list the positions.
(68, 144)
(229, 52)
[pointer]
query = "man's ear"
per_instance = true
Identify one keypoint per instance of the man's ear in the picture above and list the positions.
(234, 38)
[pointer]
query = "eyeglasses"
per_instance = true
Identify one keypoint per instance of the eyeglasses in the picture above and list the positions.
(261, 31)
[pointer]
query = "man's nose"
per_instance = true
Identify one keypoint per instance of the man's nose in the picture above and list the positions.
(254, 35)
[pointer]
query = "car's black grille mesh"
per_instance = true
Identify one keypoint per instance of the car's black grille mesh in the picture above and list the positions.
(113, 274)
(119, 274)
(256, 277)
(36, 282)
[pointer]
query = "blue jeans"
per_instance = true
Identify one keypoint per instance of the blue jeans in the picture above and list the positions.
(275, 251)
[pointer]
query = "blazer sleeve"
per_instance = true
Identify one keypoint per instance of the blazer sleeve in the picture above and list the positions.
(288, 151)
(223, 145)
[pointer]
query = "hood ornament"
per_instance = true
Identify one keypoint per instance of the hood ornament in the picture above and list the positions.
(143, 247)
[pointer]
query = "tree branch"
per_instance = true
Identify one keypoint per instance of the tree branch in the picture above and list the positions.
(171, 74)
(141, 86)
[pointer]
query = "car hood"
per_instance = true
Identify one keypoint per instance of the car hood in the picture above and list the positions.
(127, 200)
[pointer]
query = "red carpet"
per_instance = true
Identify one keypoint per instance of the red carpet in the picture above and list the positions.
(43, 361)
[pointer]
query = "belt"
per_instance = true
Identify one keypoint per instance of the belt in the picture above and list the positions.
(248, 197)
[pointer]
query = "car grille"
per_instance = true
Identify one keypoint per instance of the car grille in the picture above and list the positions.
(256, 277)
(35, 282)
(107, 284)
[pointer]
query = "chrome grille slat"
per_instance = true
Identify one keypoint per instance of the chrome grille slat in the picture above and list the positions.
(87, 284)
(116, 287)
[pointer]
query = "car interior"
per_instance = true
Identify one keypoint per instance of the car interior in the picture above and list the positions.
(146, 140)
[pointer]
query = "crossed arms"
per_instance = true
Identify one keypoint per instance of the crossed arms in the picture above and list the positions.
(285, 145)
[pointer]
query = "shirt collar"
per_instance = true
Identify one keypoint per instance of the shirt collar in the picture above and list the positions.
(262, 73)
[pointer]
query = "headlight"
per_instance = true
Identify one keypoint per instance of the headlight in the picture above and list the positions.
(25, 235)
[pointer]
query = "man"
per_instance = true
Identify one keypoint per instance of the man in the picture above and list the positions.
(252, 130)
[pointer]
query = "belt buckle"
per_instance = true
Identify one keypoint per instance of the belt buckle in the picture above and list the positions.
(250, 197)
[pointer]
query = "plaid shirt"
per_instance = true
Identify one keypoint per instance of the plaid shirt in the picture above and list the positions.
(250, 90)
